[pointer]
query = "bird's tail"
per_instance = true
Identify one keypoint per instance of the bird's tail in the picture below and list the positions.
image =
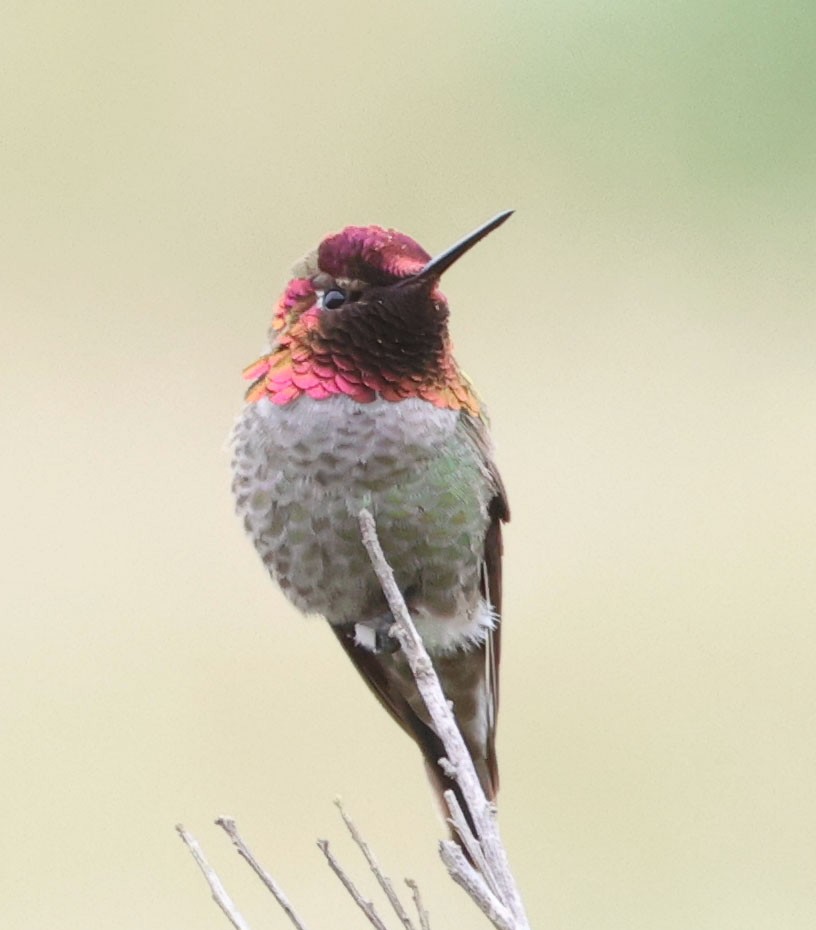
(466, 681)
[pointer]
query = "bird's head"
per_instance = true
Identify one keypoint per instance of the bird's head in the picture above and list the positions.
(363, 316)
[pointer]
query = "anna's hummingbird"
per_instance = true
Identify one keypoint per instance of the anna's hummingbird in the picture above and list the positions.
(360, 403)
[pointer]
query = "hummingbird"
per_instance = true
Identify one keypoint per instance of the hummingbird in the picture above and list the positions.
(359, 403)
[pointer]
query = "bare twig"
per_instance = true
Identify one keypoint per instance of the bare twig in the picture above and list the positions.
(227, 824)
(469, 841)
(463, 873)
(219, 893)
(484, 874)
(382, 878)
(367, 907)
(481, 810)
(424, 920)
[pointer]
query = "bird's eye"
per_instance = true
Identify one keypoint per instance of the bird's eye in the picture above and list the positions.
(333, 299)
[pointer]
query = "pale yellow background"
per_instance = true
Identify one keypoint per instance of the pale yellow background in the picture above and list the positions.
(643, 330)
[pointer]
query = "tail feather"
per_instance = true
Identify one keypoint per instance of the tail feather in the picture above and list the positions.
(465, 680)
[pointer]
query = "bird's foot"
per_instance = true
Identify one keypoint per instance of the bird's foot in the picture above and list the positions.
(376, 634)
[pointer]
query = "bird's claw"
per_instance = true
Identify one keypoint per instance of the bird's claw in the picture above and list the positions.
(384, 638)
(375, 635)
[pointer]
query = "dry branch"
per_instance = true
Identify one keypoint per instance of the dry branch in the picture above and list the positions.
(227, 824)
(367, 907)
(424, 920)
(382, 878)
(219, 892)
(485, 876)
(460, 763)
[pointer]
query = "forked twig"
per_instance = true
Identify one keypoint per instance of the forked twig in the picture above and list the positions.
(488, 881)
(481, 810)
(219, 892)
(469, 842)
(227, 824)
(382, 878)
(424, 919)
(463, 873)
(367, 907)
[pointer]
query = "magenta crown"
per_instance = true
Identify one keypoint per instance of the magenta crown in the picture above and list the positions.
(371, 254)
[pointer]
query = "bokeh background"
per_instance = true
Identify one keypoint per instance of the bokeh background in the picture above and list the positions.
(643, 331)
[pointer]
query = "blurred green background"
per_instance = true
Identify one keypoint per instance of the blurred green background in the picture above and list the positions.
(643, 332)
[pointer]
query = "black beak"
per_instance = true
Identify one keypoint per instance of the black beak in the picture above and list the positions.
(436, 266)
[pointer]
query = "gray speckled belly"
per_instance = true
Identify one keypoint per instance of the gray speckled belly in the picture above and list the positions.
(304, 470)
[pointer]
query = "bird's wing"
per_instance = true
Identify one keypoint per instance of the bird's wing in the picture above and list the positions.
(470, 679)
(491, 580)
